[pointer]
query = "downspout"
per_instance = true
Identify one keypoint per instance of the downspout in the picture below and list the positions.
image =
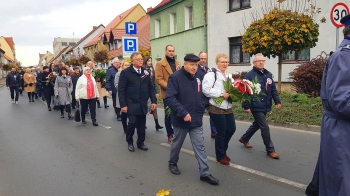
(205, 26)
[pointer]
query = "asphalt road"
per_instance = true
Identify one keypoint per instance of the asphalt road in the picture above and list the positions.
(42, 154)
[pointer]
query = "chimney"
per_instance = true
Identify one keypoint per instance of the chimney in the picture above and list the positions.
(94, 27)
(149, 9)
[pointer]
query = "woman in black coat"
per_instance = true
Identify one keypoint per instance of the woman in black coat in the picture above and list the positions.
(47, 86)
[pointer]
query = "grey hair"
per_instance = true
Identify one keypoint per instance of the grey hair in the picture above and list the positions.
(85, 68)
(346, 31)
(259, 54)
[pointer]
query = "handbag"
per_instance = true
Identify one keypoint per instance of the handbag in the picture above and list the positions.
(77, 115)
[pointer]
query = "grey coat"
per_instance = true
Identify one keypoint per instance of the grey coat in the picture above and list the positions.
(63, 89)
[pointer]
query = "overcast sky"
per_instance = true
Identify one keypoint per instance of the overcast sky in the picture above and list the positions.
(34, 24)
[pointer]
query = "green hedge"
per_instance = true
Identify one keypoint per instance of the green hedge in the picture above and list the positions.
(296, 108)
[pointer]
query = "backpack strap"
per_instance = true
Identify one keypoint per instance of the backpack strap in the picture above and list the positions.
(214, 70)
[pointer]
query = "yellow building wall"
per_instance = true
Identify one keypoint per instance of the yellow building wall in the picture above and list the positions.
(134, 16)
(90, 51)
(49, 58)
(5, 47)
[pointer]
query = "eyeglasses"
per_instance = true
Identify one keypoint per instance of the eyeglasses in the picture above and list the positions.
(223, 62)
(260, 61)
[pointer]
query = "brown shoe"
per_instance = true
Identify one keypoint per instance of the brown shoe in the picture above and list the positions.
(170, 138)
(246, 144)
(273, 155)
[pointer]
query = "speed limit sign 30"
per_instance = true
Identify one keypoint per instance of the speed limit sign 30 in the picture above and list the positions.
(339, 10)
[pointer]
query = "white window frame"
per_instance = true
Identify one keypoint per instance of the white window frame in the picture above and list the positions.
(189, 17)
(173, 26)
(156, 28)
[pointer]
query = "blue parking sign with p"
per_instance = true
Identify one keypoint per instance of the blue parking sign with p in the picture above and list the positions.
(130, 28)
(130, 45)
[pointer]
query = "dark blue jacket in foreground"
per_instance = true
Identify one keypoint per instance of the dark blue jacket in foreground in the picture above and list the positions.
(134, 90)
(13, 80)
(110, 75)
(183, 98)
(267, 86)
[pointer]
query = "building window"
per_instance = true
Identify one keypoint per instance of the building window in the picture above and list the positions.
(304, 55)
(156, 28)
(236, 54)
(237, 4)
(173, 27)
(72, 43)
(189, 17)
(64, 43)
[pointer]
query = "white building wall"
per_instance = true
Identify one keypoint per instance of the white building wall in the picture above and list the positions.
(223, 25)
(81, 45)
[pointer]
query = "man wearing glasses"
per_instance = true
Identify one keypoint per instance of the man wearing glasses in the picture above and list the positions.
(110, 85)
(259, 108)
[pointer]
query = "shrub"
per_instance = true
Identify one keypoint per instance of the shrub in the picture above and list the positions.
(307, 77)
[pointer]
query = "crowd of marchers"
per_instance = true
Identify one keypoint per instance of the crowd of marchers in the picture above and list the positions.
(133, 88)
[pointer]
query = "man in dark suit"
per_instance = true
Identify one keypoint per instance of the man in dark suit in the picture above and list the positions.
(134, 89)
(202, 70)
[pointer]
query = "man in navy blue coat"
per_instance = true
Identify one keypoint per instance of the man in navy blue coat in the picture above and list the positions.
(14, 84)
(110, 75)
(259, 108)
(332, 172)
(134, 89)
(184, 97)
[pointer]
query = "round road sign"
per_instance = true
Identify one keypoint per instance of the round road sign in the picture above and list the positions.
(339, 10)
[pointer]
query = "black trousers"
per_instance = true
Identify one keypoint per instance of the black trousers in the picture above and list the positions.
(31, 95)
(48, 100)
(68, 108)
(124, 117)
(116, 110)
(74, 101)
(14, 90)
(138, 122)
(260, 123)
(88, 103)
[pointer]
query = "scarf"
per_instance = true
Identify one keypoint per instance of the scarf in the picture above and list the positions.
(90, 87)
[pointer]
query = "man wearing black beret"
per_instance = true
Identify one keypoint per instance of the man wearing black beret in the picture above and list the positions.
(332, 173)
(184, 97)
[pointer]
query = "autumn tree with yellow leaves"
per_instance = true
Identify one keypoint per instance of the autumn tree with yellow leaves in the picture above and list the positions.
(286, 25)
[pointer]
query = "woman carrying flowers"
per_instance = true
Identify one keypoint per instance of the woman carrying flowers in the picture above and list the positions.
(220, 112)
(100, 77)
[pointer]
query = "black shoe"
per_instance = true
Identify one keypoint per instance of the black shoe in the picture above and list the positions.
(33, 100)
(119, 119)
(43, 99)
(143, 147)
(174, 169)
(36, 97)
(49, 108)
(131, 147)
(94, 123)
(83, 121)
(98, 106)
(158, 127)
(106, 106)
(73, 107)
(30, 100)
(210, 179)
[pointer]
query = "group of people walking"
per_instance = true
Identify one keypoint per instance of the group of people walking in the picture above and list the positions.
(133, 87)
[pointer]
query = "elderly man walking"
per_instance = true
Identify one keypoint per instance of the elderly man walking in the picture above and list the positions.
(187, 116)
(110, 85)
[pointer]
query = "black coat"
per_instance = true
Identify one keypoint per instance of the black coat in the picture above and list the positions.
(75, 78)
(184, 96)
(13, 80)
(268, 87)
(134, 90)
(47, 88)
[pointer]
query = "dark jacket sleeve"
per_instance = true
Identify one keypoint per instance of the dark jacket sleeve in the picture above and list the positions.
(274, 93)
(8, 80)
(109, 80)
(172, 91)
(152, 91)
(122, 89)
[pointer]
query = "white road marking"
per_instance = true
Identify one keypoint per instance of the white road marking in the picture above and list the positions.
(249, 170)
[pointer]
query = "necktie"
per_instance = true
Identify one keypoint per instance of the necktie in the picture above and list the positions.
(138, 71)
(203, 69)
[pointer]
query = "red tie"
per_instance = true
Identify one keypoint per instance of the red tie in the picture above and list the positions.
(203, 69)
